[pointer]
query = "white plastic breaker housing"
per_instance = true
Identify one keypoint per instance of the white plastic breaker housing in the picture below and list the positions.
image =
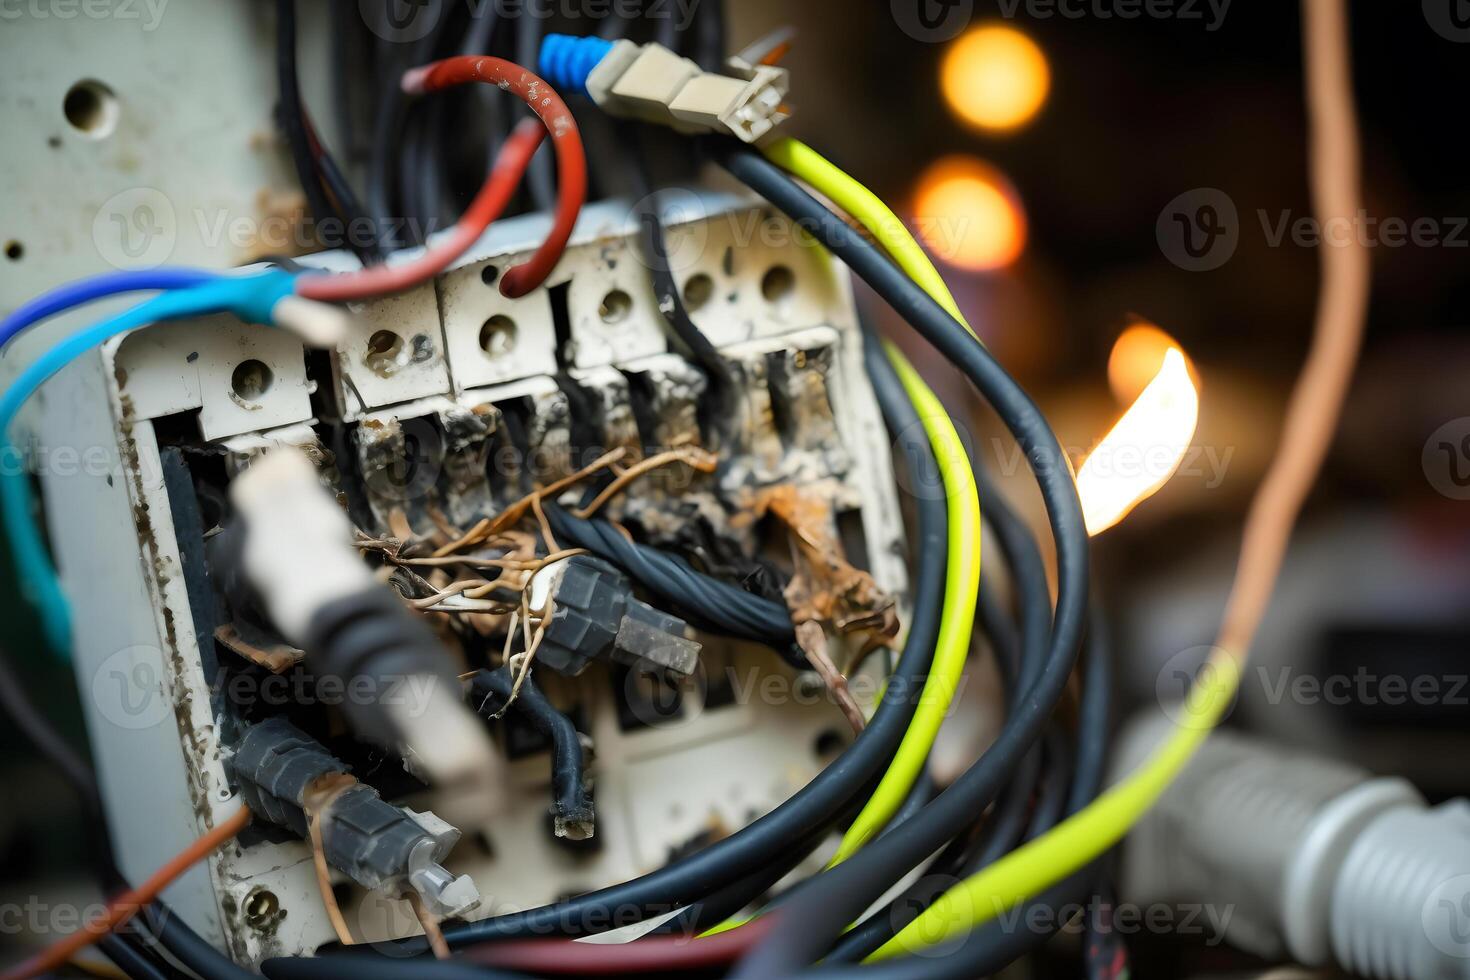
(1305, 858)
(775, 306)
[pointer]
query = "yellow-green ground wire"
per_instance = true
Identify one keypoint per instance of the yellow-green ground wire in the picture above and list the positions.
(1081, 838)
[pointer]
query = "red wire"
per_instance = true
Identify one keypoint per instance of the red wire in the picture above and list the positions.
(491, 200)
(494, 195)
(651, 954)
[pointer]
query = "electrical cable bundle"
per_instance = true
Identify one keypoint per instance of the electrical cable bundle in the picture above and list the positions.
(1024, 827)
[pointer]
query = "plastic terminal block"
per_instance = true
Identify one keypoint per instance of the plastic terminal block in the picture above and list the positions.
(652, 83)
(376, 844)
(594, 614)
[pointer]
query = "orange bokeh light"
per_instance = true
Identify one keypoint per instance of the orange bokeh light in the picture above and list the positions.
(968, 215)
(995, 77)
(1137, 355)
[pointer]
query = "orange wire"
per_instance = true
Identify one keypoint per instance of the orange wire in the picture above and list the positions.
(129, 903)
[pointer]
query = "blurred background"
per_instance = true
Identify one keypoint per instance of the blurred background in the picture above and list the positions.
(1086, 178)
(1056, 161)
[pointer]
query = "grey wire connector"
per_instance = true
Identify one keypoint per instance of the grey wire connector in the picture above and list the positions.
(594, 614)
(376, 844)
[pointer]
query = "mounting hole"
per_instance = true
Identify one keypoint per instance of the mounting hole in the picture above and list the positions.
(829, 744)
(778, 284)
(498, 336)
(14, 250)
(698, 290)
(91, 108)
(615, 307)
(384, 352)
(260, 907)
(251, 380)
(489, 274)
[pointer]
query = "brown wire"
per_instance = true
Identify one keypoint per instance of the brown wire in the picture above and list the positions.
(432, 931)
(319, 797)
(1316, 402)
(691, 456)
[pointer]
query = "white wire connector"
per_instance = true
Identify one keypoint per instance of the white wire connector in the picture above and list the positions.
(318, 324)
(298, 552)
(652, 83)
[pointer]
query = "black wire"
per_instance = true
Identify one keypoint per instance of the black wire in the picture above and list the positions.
(709, 35)
(993, 946)
(419, 167)
(317, 172)
(356, 966)
(1051, 795)
(1006, 824)
(292, 121)
(352, 214)
(716, 908)
(841, 894)
(383, 163)
(1001, 833)
(666, 30)
(1095, 714)
(708, 913)
(985, 950)
(996, 625)
(616, 24)
(816, 806)
(670, 301)
(132, 960)
(347, 26)
(187, 946)
(493, 689)
(1104, 953)
(919, 796)
(711, 604)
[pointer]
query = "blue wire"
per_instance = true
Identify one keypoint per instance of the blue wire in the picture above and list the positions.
(72, 294)
(251, 298)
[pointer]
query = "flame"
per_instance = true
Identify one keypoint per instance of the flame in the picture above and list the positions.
(1143, 449)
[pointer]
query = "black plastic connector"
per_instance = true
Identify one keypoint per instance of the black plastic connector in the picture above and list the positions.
(376, 844)
(595, 614)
